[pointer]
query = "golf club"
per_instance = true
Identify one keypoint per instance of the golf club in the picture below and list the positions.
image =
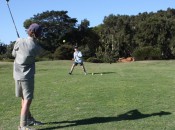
(12, 18)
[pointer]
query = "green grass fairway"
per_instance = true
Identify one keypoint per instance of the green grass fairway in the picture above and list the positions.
(128, 96)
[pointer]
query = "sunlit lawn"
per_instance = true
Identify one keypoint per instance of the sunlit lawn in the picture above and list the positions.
(128, 96)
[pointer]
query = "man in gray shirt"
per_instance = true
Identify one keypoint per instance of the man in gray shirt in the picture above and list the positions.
(25, 51)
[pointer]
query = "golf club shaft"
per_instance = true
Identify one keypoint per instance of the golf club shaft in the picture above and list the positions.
(13, 19)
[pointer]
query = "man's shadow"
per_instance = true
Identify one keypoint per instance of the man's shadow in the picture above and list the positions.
(130, 115)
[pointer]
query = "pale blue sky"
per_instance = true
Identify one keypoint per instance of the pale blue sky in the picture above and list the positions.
(92, 10)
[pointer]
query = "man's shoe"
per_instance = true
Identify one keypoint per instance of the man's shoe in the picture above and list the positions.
(32, 121)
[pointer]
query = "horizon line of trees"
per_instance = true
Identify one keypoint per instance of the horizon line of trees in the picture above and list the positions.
(144, 36)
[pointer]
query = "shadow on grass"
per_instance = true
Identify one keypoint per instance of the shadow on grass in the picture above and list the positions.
(103, 73)
(130, 115)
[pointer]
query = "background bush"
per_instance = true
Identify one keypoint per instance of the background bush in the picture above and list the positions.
(64, 52)
(147, 53)
(94, 60)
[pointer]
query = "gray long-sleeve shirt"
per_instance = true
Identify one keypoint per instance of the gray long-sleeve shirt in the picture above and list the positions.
(25, 51)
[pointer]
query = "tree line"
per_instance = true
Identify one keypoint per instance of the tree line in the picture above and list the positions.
(146, 36)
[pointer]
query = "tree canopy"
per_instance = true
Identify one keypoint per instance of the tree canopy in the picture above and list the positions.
(118, 35)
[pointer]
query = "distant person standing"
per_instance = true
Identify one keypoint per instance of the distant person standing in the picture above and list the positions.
(78, 59)
(25, 50)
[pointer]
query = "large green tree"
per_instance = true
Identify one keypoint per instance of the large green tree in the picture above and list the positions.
(118, 35)
(56, 25)
(121, 35)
